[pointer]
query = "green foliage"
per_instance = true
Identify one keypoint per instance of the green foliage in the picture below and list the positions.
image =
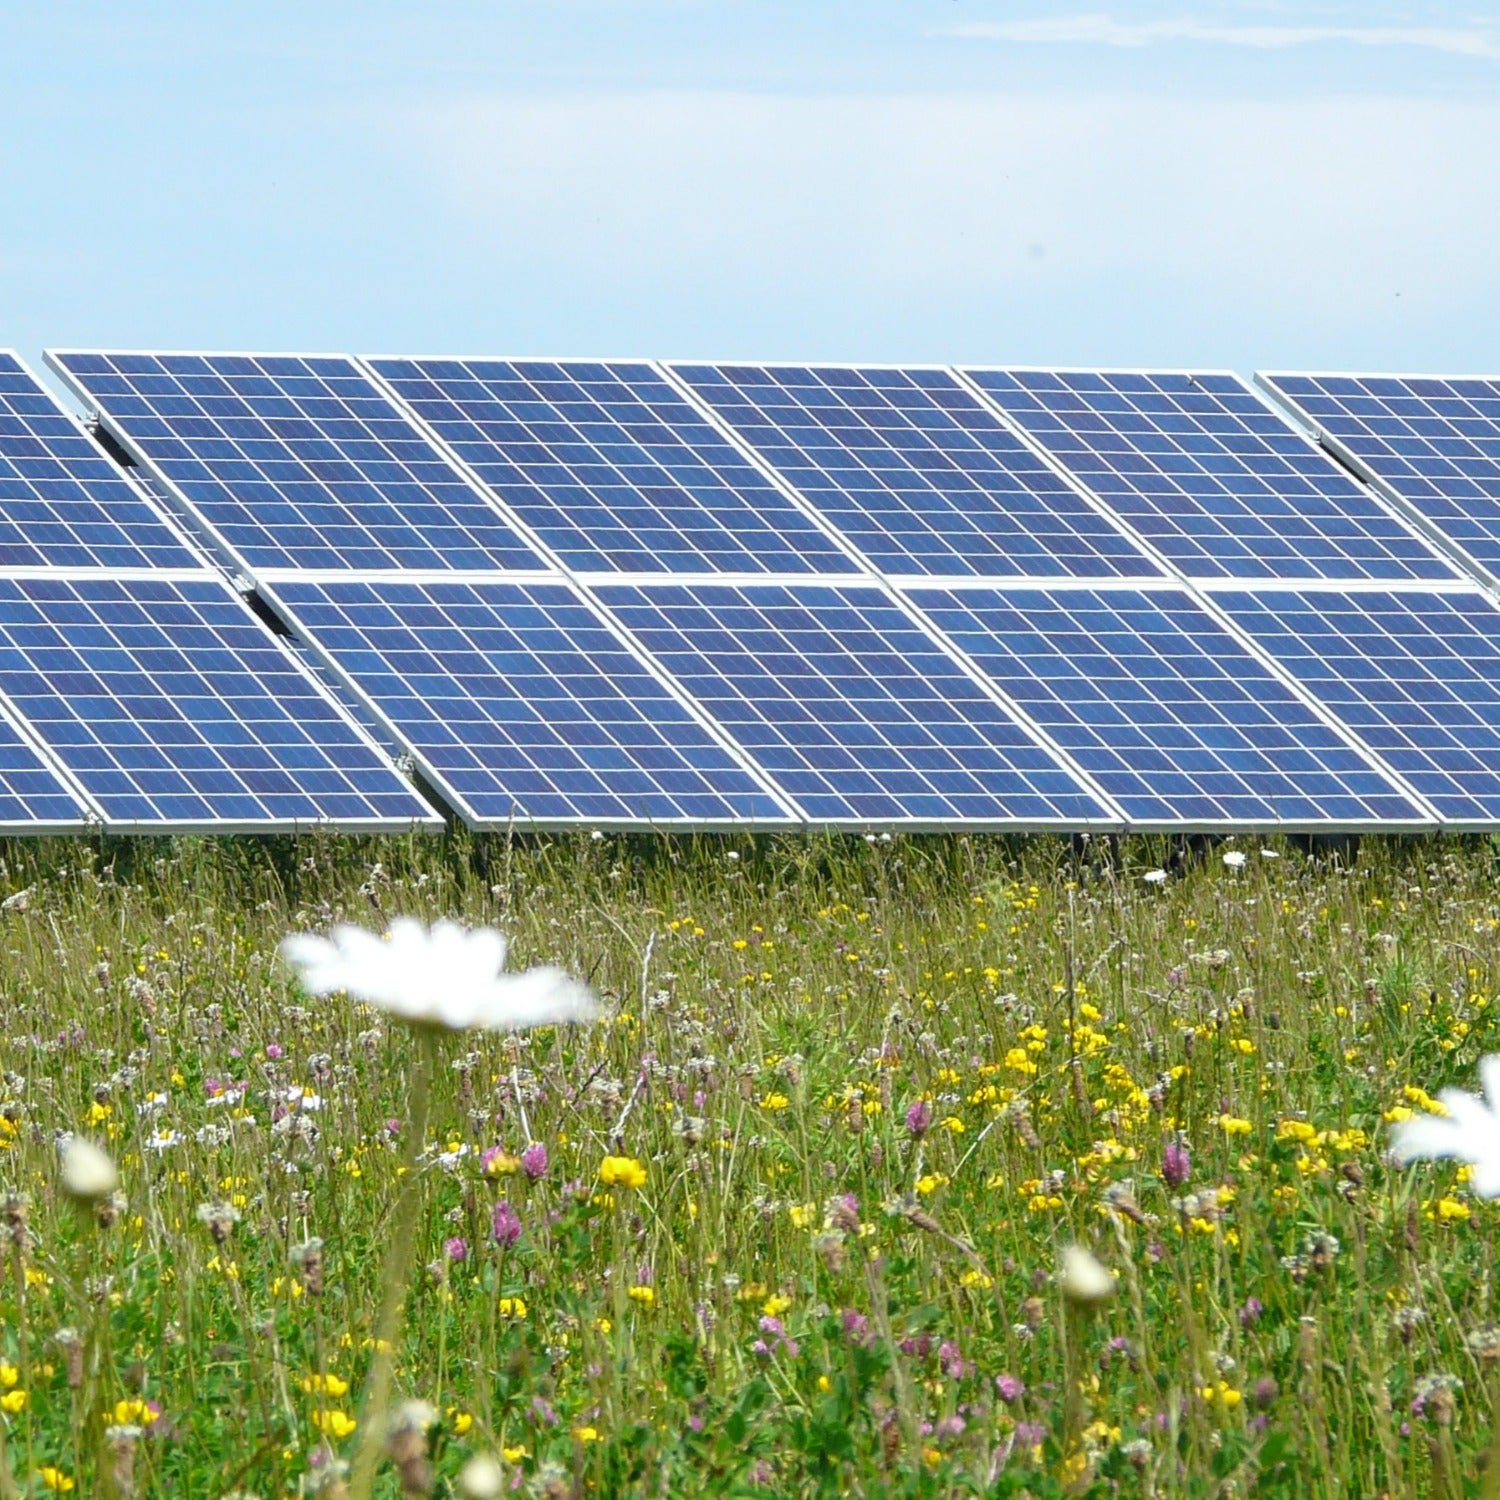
(803, 1296)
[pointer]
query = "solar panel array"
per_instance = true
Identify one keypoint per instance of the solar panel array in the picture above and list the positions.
(618, 592)
(916, 471)
(1175, 718)
(612, 469)
(138, 692)
(1202, 468)
(1433, 444)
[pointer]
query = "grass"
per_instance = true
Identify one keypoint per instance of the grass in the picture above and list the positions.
(783, 1288)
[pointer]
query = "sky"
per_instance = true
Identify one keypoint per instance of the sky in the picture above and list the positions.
(1245, 185)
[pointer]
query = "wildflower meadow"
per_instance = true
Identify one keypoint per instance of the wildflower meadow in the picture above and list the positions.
(907, 1166)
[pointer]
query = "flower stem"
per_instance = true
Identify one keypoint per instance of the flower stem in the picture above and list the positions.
(393, 1279)
(1490, 1489)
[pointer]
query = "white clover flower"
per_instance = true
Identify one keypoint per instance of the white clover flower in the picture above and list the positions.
(88, 1174)
(1470, 1131)
(445, 977)
(1235, 859)
(1154, 877)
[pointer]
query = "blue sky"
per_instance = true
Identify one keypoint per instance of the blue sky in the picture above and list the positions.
(1266, 185)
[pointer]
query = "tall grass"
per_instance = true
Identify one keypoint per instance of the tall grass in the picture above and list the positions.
(872, 1091)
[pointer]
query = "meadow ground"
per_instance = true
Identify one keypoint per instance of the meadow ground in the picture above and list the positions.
(790, 1217)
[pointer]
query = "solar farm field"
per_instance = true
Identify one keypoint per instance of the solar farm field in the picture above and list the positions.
(788, 1218)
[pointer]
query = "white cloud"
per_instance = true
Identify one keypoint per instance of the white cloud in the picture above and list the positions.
(1030, 212)
(1103, 30)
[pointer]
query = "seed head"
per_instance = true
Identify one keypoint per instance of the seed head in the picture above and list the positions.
(220, 1219)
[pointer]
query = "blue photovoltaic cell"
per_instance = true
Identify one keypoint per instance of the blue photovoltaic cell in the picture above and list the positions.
(1435, 442)
(850, 706)
(297, 462)
(1415, 675)
(32, 795)
(1219, 482)
(523, 703)
(914, 470)
(62, 502)
(1170, 714)
(171, 703)
(612, 466)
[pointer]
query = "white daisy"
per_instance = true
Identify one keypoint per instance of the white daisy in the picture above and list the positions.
(445, 977)
(1470, 1131)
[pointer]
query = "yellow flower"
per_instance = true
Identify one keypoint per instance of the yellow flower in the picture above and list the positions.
(133, 1412)
(586, 1434)
(802, 1214)
(54, 1479)
(1221, 1393)
(1232, 1125)
(929, 1184)
(622, 1171)
(645, 1295)
(1452, 1211)
(334, 1423)
(513, 1455)
(9, 1375)
(773, 1307)
(511, 1307)
(952, 1124)
(13, 1402)
(462, 1421)
(327, 1385)
(775, 1101)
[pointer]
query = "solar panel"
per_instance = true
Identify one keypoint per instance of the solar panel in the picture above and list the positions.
(173, 706)
(521, 705)
(612, 466)
(1415, 674)
(1213, 477)
(914, 470)
(62, 502)
(1164, 708)
(1433, 442)
(33, 797)
(295, 462)
(852, 708)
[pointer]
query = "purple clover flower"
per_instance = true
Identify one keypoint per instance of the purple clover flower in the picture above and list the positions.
(505, 1224)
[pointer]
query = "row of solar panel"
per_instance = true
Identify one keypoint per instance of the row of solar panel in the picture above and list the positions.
(307, 462)
(686, 700)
